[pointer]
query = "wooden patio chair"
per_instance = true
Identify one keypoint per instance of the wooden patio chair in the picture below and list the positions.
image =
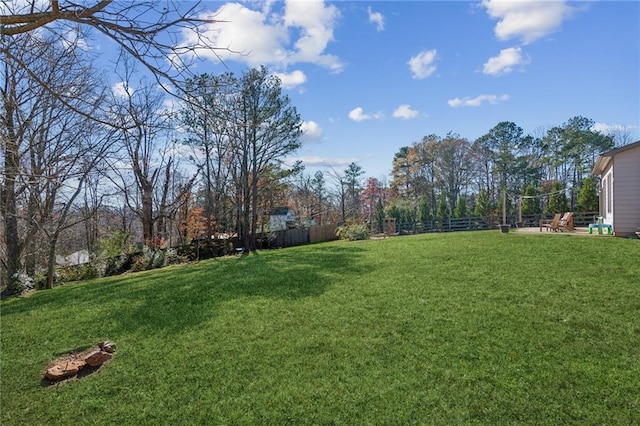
(566, 222)
(553, 224)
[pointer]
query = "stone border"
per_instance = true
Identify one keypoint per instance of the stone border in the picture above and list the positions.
(78, 364)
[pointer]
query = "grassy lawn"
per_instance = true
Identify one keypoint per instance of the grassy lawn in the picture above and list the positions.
(459, 328)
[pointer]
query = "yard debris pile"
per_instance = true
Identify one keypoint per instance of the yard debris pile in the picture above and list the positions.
(75, 364)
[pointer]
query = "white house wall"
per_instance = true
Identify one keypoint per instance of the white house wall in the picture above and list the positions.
(626, 191)
(278, 223)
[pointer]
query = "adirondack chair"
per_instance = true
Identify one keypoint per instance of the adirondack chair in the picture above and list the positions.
(553, 224)
(566, 222)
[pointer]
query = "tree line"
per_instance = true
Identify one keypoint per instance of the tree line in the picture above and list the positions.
(82, 159)
(442, 177)
(69, 163)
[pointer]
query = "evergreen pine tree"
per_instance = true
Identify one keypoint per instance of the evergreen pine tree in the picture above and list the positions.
(424, 210)
(530, 205)
(461, 208)
(588, 200)
(557, 199)
(443, 207)
(483, 204)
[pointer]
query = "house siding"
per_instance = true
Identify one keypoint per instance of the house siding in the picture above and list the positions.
(626, 192)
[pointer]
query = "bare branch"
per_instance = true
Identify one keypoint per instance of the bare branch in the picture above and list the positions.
(149, 31)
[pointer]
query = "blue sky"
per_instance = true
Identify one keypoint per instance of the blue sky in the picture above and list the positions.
(371, 77)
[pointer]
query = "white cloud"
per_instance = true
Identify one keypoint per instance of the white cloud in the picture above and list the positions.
(311, 131)
(24, 6)
(422, 65)
(505, 62)
(315, 21)
(292, 79)
(527, 20)
(172, 106)
(357, 114)
(376, 18)
(609, 129)
(299, 34)
(477, 101)
(246, 33)
(316, 161)
(404, 111)
(121, 90)
(73, 38)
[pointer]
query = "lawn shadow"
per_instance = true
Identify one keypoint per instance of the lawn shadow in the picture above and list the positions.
(185, 300)
(172, 299)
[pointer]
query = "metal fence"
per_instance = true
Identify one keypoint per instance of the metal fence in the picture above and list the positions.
(472, 223)
(316, 234)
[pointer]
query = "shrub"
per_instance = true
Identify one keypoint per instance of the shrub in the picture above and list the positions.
(112, 258)
(138, 263)
(172, 257)
(82, 272)
(153, 257)
(267, 240)
(107, 266)
(23, 283)
(353, 232)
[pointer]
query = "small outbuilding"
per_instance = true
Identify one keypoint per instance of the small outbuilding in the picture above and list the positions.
(619, 171)
(281, 218)
(74, 259)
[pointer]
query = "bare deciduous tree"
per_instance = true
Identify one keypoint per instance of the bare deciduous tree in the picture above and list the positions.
(48, 149)
(452, 168)
(145, 160)
(139, 167)
(32, 35)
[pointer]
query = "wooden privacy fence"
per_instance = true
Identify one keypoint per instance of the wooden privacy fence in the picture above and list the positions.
(298, 236)
(318, 234)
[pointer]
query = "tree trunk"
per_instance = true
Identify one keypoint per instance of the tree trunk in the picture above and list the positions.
(208, 204)
(161, 225)
(9, 201)
(246, 191)
(254, 192)
(246, 215)
(32, 226)
(147, 215)
(253, 243)
(11, 229)
(51, 261)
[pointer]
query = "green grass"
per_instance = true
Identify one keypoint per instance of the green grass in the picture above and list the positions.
(460, 328)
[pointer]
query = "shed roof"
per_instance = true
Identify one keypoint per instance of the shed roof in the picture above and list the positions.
(604, 159)
(279, 211)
